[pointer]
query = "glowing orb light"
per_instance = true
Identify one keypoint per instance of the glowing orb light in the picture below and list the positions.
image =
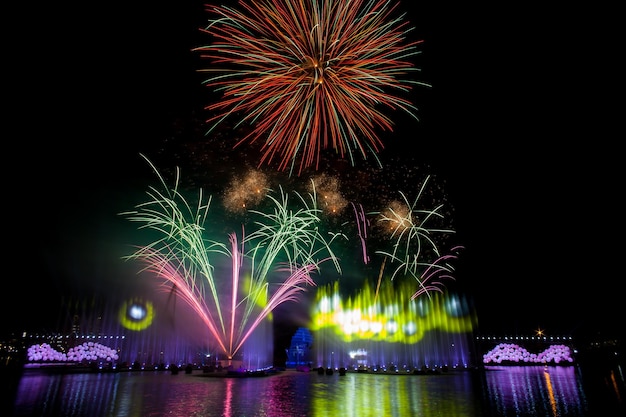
(136, 314)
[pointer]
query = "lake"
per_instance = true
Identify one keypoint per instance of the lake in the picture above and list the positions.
(562, 391)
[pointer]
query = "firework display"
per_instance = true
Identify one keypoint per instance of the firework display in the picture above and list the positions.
(297, 80)
(407, 225)
(245, 192)
(286, 243)
(283, 241)
(304, 76)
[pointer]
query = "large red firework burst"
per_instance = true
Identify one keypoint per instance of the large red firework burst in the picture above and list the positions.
(308, 75)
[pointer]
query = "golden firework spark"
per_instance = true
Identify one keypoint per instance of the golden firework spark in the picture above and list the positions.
(246, 191)
(329, 195)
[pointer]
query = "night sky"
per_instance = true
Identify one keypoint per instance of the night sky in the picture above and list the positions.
(518, 127)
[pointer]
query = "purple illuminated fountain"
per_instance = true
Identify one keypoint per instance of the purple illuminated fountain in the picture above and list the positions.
(267, 267)
(205, 301)
(407, 321)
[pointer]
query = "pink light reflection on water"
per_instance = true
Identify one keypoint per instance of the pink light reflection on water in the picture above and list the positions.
(535, 390)
(563, 391)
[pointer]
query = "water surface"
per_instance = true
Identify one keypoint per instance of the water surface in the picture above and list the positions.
(496, 391)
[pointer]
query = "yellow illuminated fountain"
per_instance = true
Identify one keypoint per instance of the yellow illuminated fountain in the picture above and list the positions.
(390, 331)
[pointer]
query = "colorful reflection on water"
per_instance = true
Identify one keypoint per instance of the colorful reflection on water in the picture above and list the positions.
(289, 393)
(394, 395)
(563, 391)
(535, 390)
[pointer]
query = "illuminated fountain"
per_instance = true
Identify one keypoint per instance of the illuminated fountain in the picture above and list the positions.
(146, 331)
(409, 321)
(297, 109)
(390, 331)
(406, 322)
(210, 302)
(285, 245)
(159, 331)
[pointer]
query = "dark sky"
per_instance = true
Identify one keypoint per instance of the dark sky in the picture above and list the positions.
(520, 124)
